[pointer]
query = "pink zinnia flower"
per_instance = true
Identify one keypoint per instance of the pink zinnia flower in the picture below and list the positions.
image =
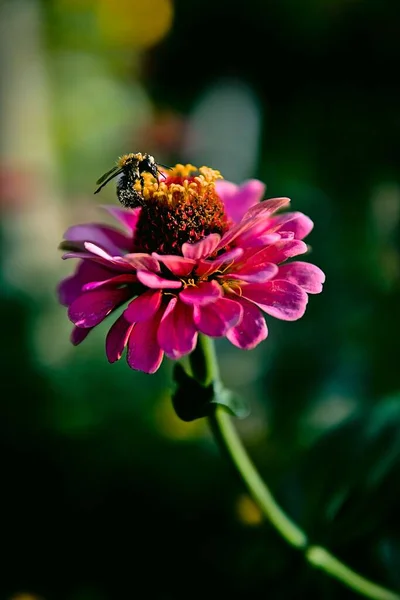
(205, 256)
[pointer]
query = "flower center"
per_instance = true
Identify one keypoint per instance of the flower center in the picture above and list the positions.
(182, 208)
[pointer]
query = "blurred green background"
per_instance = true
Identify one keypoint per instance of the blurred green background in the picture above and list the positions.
(105, 493)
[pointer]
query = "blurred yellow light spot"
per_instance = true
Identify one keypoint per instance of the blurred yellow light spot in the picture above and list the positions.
(137, 23)
(247, 511)
(25, 596)
(172, 427)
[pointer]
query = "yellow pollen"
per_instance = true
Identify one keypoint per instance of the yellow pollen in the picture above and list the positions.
(182, 206)
(193, 182)
(183, 170)
(122, 159)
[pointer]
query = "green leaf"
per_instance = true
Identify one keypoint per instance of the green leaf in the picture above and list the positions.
(192, 400)
(234, 403)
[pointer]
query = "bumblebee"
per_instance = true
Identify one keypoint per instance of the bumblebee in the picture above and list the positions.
(130, 169)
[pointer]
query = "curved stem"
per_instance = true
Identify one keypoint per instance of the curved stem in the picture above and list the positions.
(224, 431)
(205, 369)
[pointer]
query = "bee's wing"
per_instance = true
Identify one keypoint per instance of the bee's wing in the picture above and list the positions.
(104, 179)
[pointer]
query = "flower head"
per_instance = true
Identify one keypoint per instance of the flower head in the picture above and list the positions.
(203, 256)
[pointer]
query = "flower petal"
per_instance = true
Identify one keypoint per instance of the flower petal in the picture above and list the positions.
(177, 334)
(114, 281)
(108, 238)
(144, 352)
(251, 330)
(206, 267)
(143, 307)
(239, 198)
(178, 265)
(78, 334)
(253, 273)
(296, 222)
(307, 276)
(217, 318)
(253, 217)
(280, 299)
(152, 280)
(128, 217)
(257, 235)
(267, 208)
(201, 249)
(141, 260)
(91, 308)
(117, 264)
(86, 271)
(276, 253)
(201, 294)
(116, 261)
(117, 338)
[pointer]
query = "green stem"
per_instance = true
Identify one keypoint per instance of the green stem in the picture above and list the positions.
(205, 368)
(221, 425)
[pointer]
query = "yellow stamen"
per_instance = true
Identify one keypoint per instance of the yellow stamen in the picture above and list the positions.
(188, 283)
(234, 286)
(226, 268)
(161, 191)
(184, 207)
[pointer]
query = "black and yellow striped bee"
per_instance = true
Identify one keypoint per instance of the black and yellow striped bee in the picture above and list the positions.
(130, 169)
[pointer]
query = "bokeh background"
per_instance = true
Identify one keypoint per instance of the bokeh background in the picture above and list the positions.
(105, 493)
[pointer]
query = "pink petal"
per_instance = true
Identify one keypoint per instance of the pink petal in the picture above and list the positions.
(239, 198)
(117, 261)
(177, 333)
(94, 249)
(251, 330)
(144, 352)
(201, 294)
(253, 273)
(233, 233)
(108, 238)
(206, 267)
(143, 261)
(117, 338)
(258, 235)
(152, 280)
(178, 265)
(255, 230)
(280, 299)
(83, 255)
(71, 287)
(203, 248)
(91, 308)
(217, 318)
(267, 208)
(252, 218)
(127, 217)
(143, 307)
(113, 281)
(296, 222)
(276, 253)
(78, 334)
(307, 276)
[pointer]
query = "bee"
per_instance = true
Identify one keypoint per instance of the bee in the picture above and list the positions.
(130, 168)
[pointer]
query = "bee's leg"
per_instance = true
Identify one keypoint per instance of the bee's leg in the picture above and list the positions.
(142, 183)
